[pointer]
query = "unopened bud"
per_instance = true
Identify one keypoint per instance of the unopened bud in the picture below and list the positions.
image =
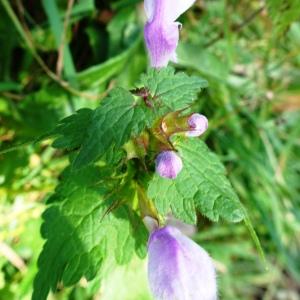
(198, 124)
(168, 164)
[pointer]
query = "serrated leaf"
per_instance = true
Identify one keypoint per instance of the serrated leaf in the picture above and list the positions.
(118, 118)
(84, 227)
(201, 185)
(175, 91)
(121, 115)
(72, 130)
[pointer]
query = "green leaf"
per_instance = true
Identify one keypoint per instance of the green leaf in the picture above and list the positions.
(98, 74)
(85, 226)
(201, 185)
(83, 7)
(10, 86)
(69, 132)
(175, 91)
(72, 130)
(119, 117)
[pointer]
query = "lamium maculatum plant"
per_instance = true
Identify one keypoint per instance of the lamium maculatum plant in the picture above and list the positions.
(140, 155)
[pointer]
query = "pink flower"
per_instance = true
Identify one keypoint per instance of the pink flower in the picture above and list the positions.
(161, 30)
(178, 268)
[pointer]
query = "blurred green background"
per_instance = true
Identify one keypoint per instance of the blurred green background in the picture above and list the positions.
(60, 55)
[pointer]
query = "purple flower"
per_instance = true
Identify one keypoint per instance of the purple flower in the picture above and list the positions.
(161, 30)
(168, 164)
(178, 268)
(198, 125)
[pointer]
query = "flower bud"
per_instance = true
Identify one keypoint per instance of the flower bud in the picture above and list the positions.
(168, 164)
(178, 268)
(198, 125)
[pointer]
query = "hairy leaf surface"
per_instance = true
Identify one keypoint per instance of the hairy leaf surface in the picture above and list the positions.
(72, 130)
(84, 226)
(119, 117)
(201, 185)
(175, 91)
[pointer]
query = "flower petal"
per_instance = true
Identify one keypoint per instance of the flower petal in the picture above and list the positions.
(149, 6)
(161, 42)
(166, 11)
(178, 268)
(161, 30)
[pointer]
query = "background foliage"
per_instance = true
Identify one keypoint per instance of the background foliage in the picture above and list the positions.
(60, 56)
